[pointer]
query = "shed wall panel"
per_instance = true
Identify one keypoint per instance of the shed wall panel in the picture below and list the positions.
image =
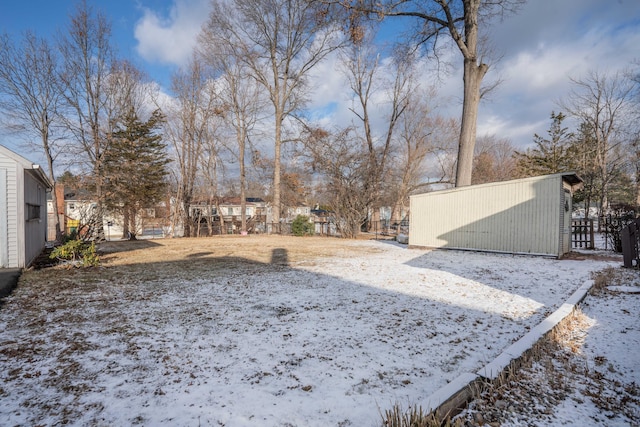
(11, 169)
(4, 246)
(520, 216)
(35, 228)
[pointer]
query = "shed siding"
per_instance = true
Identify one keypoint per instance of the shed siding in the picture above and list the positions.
(22, 185)
(35, 229)
(4, 246)
(520, 216)
(11, 210)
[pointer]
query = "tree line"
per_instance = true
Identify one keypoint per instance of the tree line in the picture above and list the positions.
(238, 123)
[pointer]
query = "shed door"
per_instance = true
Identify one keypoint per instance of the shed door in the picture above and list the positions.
(566, 226)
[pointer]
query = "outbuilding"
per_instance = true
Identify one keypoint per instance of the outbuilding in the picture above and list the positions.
(23, 210)
(522, 216)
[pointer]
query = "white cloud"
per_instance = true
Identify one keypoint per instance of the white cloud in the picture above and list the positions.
(171, 39)
(542, 46)
(540, 60)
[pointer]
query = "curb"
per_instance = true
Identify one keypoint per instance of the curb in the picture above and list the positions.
(453, 397)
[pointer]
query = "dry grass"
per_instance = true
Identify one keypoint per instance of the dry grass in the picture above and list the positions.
(614, 277)
(415, 417)
(262, 249)
(152, 260)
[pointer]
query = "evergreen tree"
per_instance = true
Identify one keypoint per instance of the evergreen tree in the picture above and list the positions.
(583, 150)
(551, 155)
(622, 192)
(135, 167)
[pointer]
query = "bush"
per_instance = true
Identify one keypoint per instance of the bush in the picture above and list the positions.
(78, 252)
(301, 226)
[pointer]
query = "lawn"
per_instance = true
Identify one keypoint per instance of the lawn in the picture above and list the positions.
(263, 330)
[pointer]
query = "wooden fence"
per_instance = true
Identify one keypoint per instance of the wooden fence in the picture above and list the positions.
(582, 235)
(630, 237)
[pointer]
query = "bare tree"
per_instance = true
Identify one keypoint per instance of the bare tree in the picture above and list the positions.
(423, 155)
(126, 88)
(28, 73)
(189, 129)
(280, 41)
(461, 20)
(368, 81)
(494, 160)
(342, 158)
(602, 103)
(240, 101)
(87, 61)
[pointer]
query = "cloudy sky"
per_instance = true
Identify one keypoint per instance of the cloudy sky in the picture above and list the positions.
(540, 48)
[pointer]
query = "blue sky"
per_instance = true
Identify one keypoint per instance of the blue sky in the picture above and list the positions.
(163, 20)
(543, 45)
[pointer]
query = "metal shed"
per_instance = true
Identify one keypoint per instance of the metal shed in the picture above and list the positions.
(523, 216)
(23, 210)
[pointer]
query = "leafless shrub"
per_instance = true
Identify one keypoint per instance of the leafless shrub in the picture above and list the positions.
(601, 280)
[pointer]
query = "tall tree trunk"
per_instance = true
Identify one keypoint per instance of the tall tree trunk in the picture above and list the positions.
(473, 75)
(220, 216)
(125, 223)
(276, 173)
(243, 191)
(54, 202)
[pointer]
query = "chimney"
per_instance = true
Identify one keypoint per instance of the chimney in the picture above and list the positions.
(60, 198)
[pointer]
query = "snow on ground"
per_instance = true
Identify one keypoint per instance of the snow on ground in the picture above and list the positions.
(609, 395)
(585, 373)
(331, 341)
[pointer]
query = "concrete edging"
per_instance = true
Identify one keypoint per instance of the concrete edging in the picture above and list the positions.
(451, 399)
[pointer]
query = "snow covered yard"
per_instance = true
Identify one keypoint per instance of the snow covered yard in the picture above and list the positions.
(267, 331)
(584, 373)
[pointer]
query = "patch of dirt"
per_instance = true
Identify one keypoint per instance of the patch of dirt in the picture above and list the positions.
(594, 256)
(44, 260)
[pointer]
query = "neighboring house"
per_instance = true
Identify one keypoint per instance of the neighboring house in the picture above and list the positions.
(523, 216)
(288, 214)
(294, 211)
(228, 212)
(23, 216)
(229, 208)
(324, 222)
(77, 209)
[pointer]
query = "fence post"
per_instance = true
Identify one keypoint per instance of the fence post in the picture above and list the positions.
(591, 235)
(627, 255)
(629, 242)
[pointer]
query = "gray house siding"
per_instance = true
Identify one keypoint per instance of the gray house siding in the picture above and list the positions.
(35, 210)
(521, 216)
(10, 224)
(23, 188)
(4, 229)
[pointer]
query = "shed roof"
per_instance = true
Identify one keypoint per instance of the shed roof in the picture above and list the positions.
(32, 168)
(570, 178)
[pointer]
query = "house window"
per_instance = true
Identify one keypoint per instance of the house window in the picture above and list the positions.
(33, 212)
